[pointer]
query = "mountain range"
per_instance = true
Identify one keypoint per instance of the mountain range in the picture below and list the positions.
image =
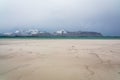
(37, 33)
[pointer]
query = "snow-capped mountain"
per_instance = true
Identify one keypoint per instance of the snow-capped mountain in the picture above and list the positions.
(36, 32)
(61, 31)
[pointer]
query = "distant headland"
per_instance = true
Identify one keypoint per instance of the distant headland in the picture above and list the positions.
(37, 33)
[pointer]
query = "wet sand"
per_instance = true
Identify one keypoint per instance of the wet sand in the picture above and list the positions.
(59, 59)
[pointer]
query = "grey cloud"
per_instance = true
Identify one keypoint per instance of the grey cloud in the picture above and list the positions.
(94, 15)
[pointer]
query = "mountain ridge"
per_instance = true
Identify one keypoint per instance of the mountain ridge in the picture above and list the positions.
(38, 33)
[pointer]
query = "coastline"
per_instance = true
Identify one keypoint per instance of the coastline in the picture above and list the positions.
(63, 37)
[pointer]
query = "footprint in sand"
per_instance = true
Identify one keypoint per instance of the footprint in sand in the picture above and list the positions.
(10, 49)
(118, 72)
(4, 57)
(30, 52)
(74, 50)
(15, 68)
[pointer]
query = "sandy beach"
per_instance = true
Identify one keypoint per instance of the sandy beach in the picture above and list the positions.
(59, 59)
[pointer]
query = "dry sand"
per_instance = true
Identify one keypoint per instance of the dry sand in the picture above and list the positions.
(59, 59)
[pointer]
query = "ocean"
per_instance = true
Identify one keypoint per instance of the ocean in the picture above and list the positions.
(62, 37)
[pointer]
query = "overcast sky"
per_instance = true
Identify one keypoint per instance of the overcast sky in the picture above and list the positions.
(50, 15)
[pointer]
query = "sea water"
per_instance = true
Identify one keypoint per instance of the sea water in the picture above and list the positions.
(63, 37)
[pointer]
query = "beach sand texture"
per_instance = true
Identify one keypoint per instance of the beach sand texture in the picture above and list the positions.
(59, 59)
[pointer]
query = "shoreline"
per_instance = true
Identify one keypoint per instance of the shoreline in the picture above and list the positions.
(63, 37)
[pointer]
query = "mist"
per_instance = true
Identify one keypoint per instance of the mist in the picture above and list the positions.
(50, 15)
